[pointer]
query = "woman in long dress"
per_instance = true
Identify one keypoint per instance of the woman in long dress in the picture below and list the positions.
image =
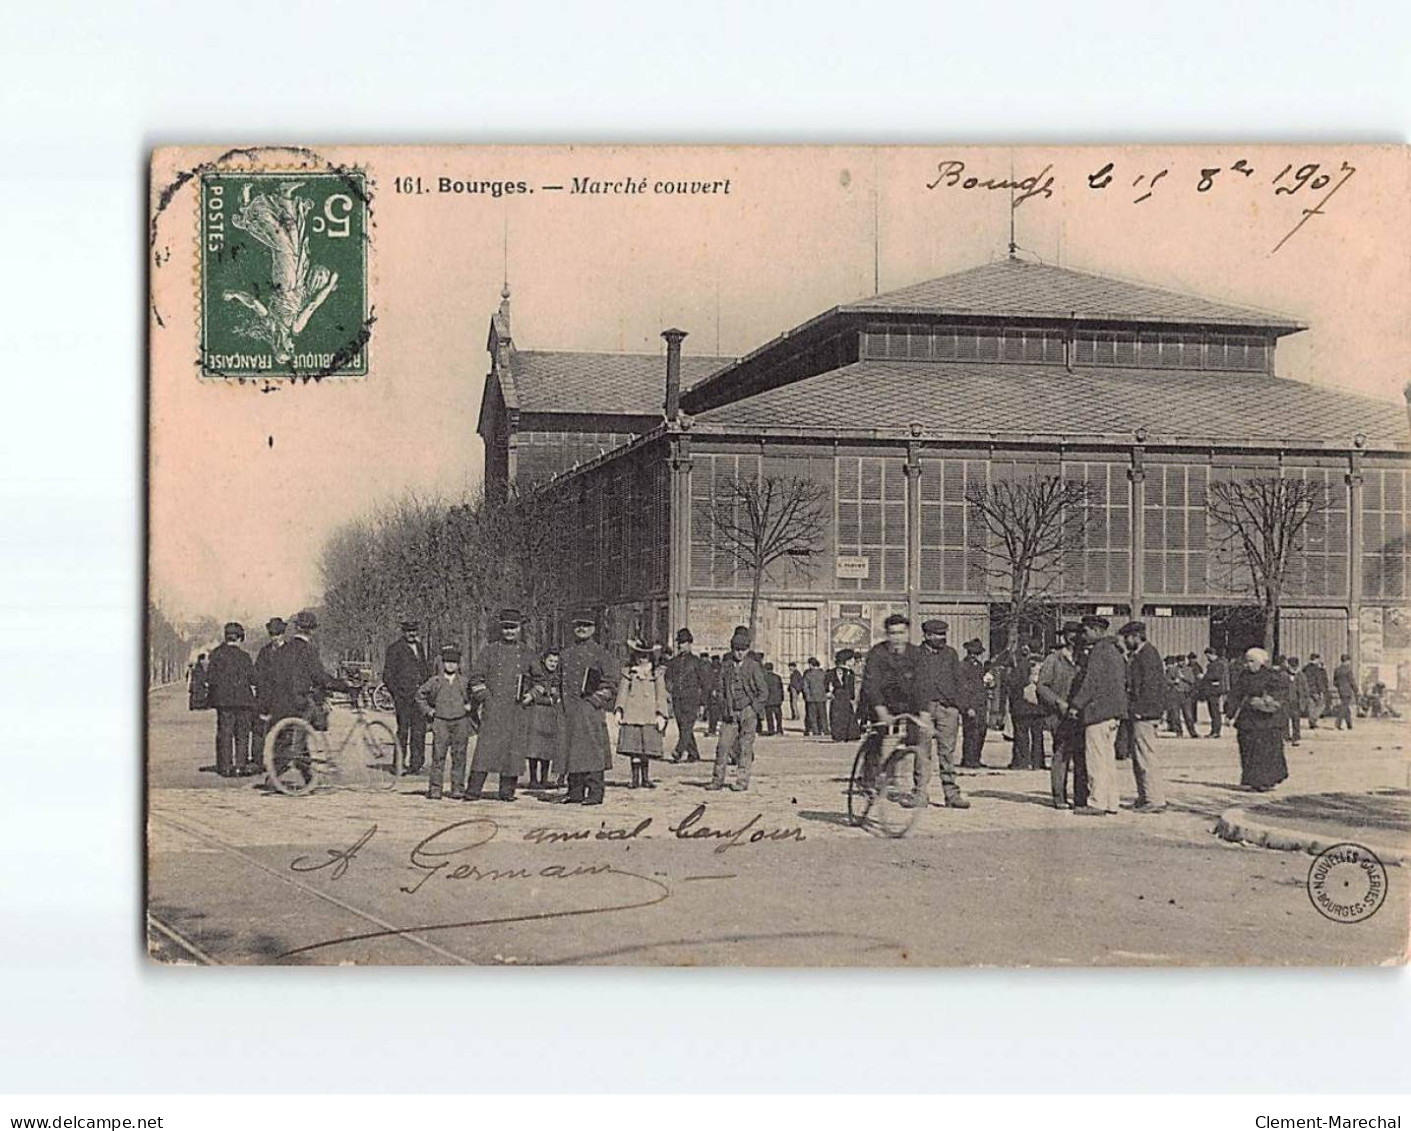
(1258, 704)
(841, 685)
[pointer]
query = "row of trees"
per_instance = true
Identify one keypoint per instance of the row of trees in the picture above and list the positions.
(170, 647)
(449, 564)
(445, 564)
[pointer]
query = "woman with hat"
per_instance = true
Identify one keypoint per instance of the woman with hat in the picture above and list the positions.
(841, 687)
(1258, 705)
(641, 712)
(544, 728)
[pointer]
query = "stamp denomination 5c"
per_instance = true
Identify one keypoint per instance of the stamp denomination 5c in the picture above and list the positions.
(283, 274)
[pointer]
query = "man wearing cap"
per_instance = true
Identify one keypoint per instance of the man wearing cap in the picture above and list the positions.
(1214, 686)
(230, 679)
(445, 700)
(743, 693)
(1100, 703)
(1058, 676)
(1146, 688)
(264, 689)
(404, 670)
(939, 693)
(688, 683)
(499, 679)
(590, 677)
(974, 704)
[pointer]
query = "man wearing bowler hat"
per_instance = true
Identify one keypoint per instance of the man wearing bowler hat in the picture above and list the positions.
(688, 683)
(974, 704)
(264, 689)
(404, 670)
(499, 679)
(230, 679)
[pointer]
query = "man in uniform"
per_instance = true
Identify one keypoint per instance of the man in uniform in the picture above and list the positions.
(404, 669)
(743, 693)
(230, 678)
(688, 683)
(590, 677)
(974, 704)
(498, 680)
(264, 689)
(939, 694)
(1214, 685)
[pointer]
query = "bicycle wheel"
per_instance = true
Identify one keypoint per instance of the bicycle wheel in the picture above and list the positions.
(292, 749)
(859, 797)
(896, 806)
(382, 698)
(382, 758)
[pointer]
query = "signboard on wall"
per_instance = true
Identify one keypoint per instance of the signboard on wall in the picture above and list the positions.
(855, 568)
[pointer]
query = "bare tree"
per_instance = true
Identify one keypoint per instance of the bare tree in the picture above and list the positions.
(1029, 523)
(763, 520)
(1261, 523)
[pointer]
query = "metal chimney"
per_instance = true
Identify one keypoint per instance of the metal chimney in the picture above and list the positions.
(673, 372)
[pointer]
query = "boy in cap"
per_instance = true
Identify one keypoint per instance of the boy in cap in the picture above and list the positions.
(498, 681)
(445, 700)
(230, 689)
(743, 693)
(404, 670)
(589, 687)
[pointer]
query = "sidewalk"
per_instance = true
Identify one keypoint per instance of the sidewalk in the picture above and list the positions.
(1311, 822)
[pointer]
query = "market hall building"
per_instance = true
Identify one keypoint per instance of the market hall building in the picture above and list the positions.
(897, 403)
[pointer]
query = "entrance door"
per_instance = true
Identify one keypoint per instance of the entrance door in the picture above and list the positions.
(798, 636)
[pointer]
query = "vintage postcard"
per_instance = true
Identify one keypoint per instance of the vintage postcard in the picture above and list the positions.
(801, 556)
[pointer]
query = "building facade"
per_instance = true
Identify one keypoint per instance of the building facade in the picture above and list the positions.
(897, 404)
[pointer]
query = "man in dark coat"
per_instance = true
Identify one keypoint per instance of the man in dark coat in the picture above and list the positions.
(815, 698)
(590, 677)
(499, 679)
(404, 670)
(974, 704)
(795, 685)
(1317, 677)
(1146, 693)
(1100, 701)
(939, 693)
(743, 693)
(264, 688)
(1026, 715)
(774, 704)
(1345, 684)
(688, 679)
(1214, 686)
(298, 684)
(230, 679)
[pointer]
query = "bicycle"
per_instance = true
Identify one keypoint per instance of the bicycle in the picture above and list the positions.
(299, 758)
(889, 804)
(382, 698)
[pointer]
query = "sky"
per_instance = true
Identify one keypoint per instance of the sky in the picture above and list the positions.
(246, 485)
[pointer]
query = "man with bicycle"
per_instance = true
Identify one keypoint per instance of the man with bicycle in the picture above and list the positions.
(299, 683)
(889, 688)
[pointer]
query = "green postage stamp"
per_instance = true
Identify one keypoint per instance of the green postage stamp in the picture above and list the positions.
(283, 274)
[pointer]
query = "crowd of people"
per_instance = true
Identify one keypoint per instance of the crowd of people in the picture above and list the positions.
(540, 716)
